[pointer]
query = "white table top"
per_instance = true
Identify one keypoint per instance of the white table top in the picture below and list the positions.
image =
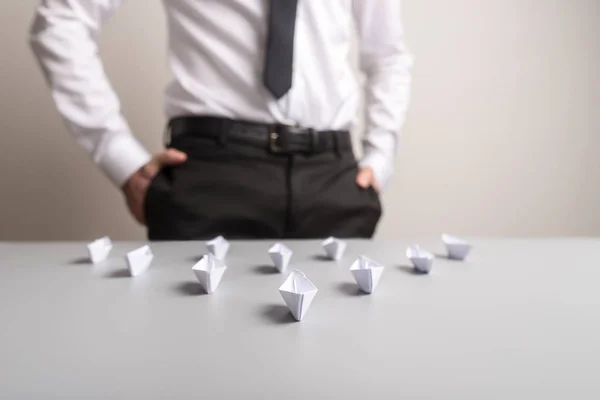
(520, 319)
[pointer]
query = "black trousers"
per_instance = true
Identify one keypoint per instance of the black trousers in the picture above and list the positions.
(245, 192)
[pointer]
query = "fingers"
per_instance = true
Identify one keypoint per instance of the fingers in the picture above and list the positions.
(171, 157)
(137, 185)
(136, 206)
(135, 192)
(364, 178)
(138, 214)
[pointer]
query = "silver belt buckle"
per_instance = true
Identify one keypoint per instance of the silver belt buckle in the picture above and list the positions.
(273, 145)
(275, 135)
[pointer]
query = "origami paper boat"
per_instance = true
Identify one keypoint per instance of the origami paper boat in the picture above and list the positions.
(367, 273)
(298, 292)
(218, 247)
(281, 255)
(334, 248)
(99, 249)
(139, 260)
(209, 271)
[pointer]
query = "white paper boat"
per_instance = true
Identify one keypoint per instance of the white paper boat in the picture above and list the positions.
(281, 255)
(457, 248)
(421, 259)
(218, 247)
(139, 260)
(209, 271)
(367, 273)
(99, 249)
(298, 293)
(334, 248)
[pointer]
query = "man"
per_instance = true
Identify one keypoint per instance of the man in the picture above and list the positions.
(259, 111)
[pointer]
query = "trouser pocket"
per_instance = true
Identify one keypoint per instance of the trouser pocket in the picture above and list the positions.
(373, 209)
(329, 202)
(157, 207)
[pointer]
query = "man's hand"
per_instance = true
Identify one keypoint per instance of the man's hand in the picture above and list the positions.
(366, 179)
(136, 187)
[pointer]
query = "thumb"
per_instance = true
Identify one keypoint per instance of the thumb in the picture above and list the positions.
(364, 178)
(171, 157)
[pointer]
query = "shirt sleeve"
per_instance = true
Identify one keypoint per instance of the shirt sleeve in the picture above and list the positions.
(386, 63)
(64, 39)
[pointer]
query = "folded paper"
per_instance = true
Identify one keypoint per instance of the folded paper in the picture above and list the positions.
(139, 260)
(457, 248)
(218, 247)
(367, 273)
(209, 271)
(422, 260)
(298, 293)
(99, 249)
(281, 255)
(334, 248)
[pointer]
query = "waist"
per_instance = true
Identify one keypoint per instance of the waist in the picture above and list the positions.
(323, 101)
(276, 138)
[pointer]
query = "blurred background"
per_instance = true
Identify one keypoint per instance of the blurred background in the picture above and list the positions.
(502, 136)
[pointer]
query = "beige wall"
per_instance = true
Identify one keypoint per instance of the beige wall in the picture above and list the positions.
(502, 138)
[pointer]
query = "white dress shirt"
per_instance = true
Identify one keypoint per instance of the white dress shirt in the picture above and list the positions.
(216, 53)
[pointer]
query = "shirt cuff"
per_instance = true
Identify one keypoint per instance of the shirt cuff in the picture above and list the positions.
(121, 157)
(381, 165)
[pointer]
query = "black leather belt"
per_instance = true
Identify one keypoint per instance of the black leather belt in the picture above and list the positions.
(276, 138)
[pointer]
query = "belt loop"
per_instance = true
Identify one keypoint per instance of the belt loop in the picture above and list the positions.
(336, 144)
(224, 128)
(167, 134)
(314, 141)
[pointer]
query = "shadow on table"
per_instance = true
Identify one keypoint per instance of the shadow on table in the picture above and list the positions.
(189, 289)
(196, 259)
(321, 257)
(80, 261)
(277, 314)
(118, 273)
(350, 289)
(443, 256)
(265, 269)
(409, 269)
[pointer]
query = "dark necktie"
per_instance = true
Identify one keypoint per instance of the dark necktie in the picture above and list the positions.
(280, 47)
